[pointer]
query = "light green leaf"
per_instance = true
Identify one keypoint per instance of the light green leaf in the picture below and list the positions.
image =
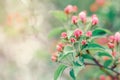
(56, 32)
(64, 55)
(59, 71)
(67, 49)
(60, 15)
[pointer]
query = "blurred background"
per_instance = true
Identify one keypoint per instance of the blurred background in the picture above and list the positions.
(26, 41)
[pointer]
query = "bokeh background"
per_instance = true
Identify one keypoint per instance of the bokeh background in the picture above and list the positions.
(25, 43)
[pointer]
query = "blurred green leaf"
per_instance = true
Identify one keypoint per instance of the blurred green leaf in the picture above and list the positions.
(87, 56)
(56, 32)
(60, 15)
(59, 71)
(107, 63)
(104, 53)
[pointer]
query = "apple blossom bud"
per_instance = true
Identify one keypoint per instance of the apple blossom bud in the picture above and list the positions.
(74, 19)
(82, 16)
(117, 37)
(54, 58)
(111, 39)
(114, 53)
(59, 47)
(102, 77)
(94, 19)
(83, 42)
(68, 9)
(89, 34)
(75, 8)
(72, 40)
(111, 45)
(77, 33)
(63, 35)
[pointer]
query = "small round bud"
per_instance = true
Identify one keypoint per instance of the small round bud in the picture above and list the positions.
(89, 34)
(94, 20)
(74, 19)
(72, 40)
(111, 45)
(82, 16)
(83, 42)
(63, 35)
(77, 33)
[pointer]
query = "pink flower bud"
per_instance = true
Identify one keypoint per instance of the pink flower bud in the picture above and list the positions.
(84, 42)
(117, 37)
(77, 33)
(111, 45)
(114, 53)
(74, 19)
(102, 77)
(72, 40)
(94, 19)
(59, 47)
(111, 39)
(82, 16)
(63, 35)
(70, 9)
(89, 34)
(75, 8)
(54, 58)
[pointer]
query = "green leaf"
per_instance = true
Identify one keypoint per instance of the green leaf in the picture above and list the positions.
(60, 15)
(99, 32)
(103, 53)
(92, 46)
(59, 71)
(56, 32)
(75, 70)
(72, 74)
(107, 63)
(64, 55)
(67, 49)
(87, 56)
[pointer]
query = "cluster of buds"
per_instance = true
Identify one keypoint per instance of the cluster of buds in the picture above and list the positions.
(70, 9)
(82, 17)
(113, 42)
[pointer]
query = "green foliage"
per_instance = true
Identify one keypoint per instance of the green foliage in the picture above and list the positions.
(56, 32)
(100, 32)
(107, 63)
(59, 71)
(93, 46)
(60, 15)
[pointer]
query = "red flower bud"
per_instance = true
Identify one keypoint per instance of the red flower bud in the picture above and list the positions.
(102, 77)
(89, 34)
(84, 42)
(63, 35)
(74, 19)
(114, 53)
(111, 39)
(117, 37)
(75, 8)
(82, 16)
(68, 9)
(77, 33)
(94, 20)
(72, 40)
(54, 58)
(59, 47)
(111, 45)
